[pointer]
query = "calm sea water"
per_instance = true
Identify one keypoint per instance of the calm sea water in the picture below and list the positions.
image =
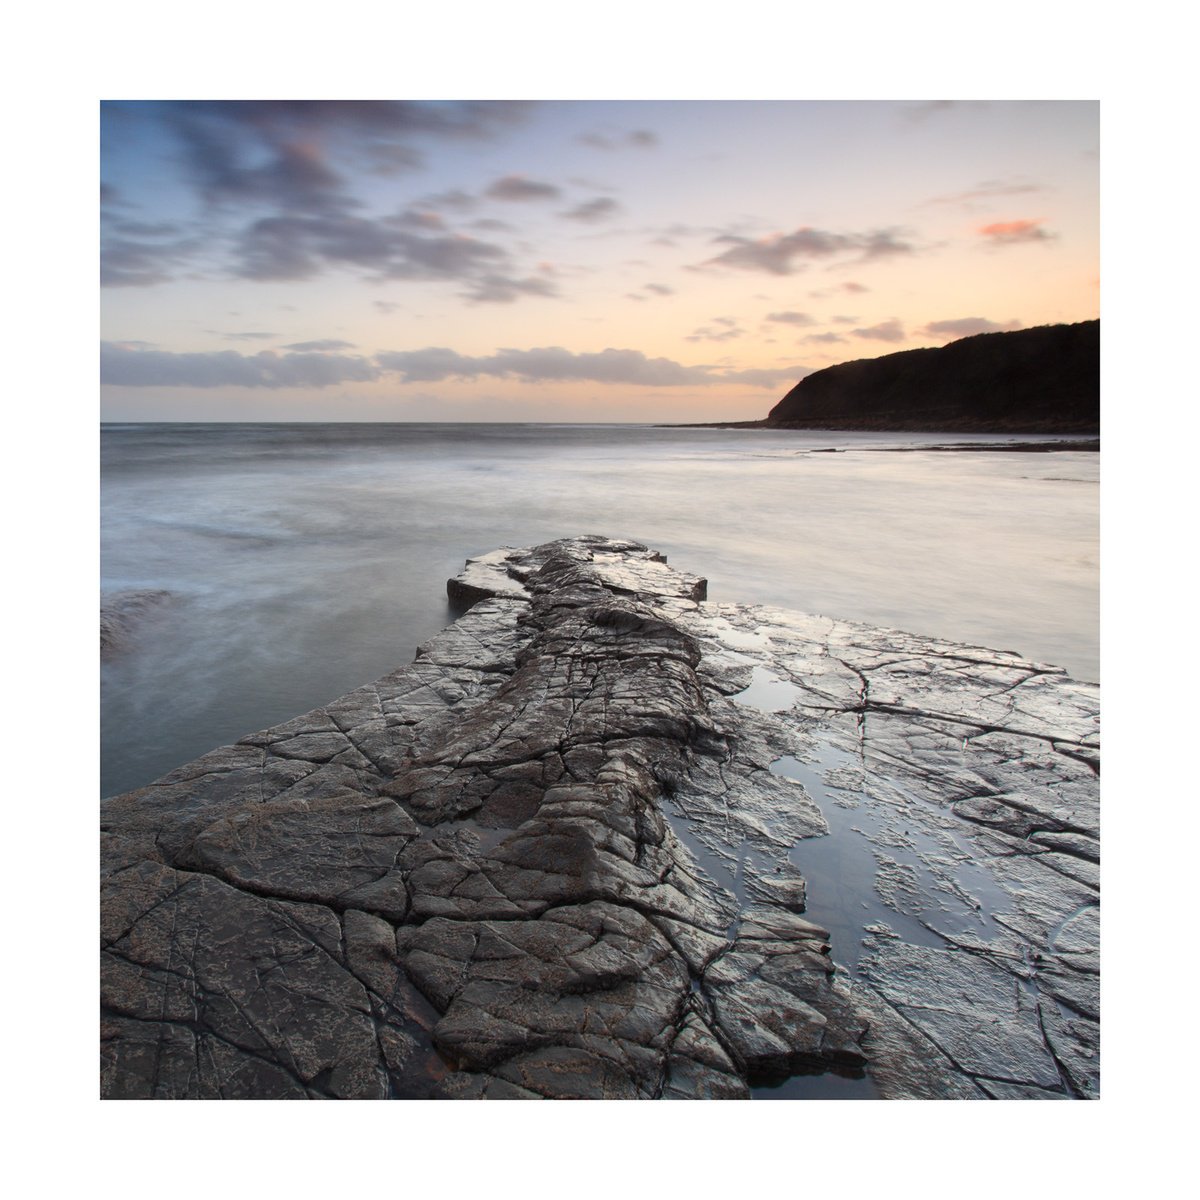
(304, 560)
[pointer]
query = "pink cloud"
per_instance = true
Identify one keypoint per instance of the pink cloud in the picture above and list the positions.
(1008, 233)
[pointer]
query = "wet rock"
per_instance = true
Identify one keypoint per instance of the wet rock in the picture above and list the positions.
(121, 613)
(551, 858)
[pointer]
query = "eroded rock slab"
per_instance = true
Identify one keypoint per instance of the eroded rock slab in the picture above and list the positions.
(563, 854)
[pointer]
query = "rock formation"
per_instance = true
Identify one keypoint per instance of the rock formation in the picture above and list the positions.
(555, 856)
(1042, 380)
(121, 612)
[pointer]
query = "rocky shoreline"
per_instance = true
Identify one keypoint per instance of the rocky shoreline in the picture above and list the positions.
(557, 856)
(1072, 444)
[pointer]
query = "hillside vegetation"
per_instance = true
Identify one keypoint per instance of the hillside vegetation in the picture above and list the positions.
(1042, 380)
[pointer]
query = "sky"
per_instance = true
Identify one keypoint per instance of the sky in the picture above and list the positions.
(570, 260)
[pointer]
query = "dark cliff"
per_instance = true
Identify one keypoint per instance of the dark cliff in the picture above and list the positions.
(1038, 380)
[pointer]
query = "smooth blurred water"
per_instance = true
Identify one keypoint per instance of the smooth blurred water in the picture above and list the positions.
(304, 560)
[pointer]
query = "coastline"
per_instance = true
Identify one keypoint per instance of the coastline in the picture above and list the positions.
(185, 508)
(597, 775)
(1085, 439)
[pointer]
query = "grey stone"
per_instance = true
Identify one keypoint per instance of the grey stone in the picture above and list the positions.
(550, 859)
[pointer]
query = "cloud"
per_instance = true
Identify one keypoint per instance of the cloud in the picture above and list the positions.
(518, 188)
(294, 247)
(322, 344)
(776, 253)
(129, 262)
(417, 218)
(455, 199)
(850, 287)
(660, 289)
(1011, 233)
(923, 110)
(766, 377)
(727, 332)
(124, 364)
(639, 138)
(827, 339)
(296, 176)
(136, 253)
(599, 209)
(496, 288)
(791, 318)
(282, 153)
(146, 229)
(278, 180)
(885, 331)
(548, 363)
(989, 189)
(131, 364)
(555, 364)
(961, 327)
(884, 243)
(248, 335)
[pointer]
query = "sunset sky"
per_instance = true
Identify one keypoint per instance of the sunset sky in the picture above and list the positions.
(570, 261)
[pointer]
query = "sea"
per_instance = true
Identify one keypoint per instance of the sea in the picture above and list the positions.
(290, 563)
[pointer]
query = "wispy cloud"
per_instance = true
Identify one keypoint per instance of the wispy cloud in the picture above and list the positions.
(960, 327)
(590, 211)
(455, 199)
(849, 287)
(791, 318)
(765, 377)
(518, 188)
(420, 218)
(1012, 233)
(723, 329)
(885, 331)
(497, 288)
(988, 189)
(321, 345)
(130, 262)
(638, 138)
(492, 225)
(295, 248)
(784, 254)
(925, 109)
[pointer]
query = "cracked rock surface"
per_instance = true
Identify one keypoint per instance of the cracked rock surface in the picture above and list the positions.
(604, 839)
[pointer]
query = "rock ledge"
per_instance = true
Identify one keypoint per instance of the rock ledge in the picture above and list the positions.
(556, 856)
